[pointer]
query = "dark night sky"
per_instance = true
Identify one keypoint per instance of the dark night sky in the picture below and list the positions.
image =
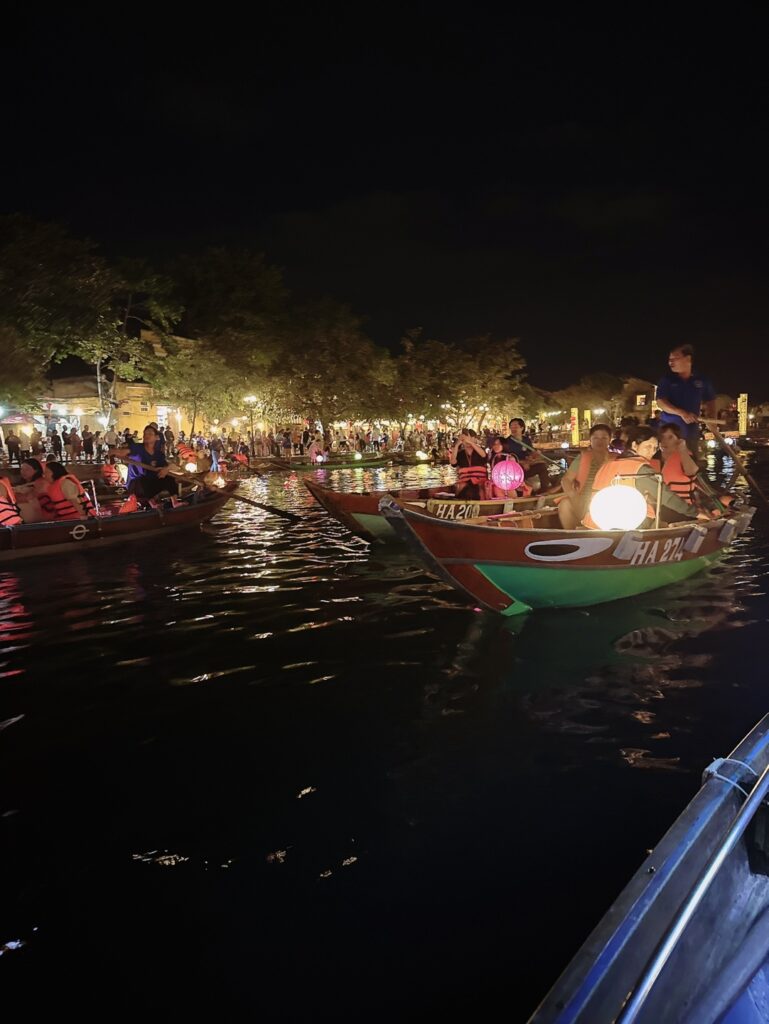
(596, 188)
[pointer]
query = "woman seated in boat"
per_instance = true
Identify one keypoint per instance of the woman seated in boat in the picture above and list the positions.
(10, 515)
(32, 493)
(674, 460)
(66, 496)
(636, 464)
(470, 462)
(147, 466)
(579, 478)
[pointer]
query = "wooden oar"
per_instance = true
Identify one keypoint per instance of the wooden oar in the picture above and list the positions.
(729, 449)
(538, 452)
(179, 472)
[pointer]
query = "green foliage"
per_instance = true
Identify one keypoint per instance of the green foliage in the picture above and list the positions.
(20, 374)
(198, 381)
(55, 291)
(145, 300)
(234, 300)
(330, 369)
(594, 390)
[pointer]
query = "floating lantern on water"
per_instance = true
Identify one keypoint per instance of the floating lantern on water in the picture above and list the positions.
(357, 456)
(620, 507)
(319, 459)
(507, 475)
(564, 444)
(711, 443)
(191, 467)
(422, 456)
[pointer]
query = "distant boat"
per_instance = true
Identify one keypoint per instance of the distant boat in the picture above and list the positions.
(517, 562)
(687, 941)
(344, 460)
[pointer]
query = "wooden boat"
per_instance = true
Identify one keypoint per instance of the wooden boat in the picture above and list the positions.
(359, 510)
(94, 533)
(518, 562)
(687, 941)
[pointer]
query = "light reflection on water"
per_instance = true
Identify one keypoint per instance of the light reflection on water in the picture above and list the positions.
(268, 707)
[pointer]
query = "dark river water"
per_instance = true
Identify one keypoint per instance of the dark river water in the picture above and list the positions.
(264, 770)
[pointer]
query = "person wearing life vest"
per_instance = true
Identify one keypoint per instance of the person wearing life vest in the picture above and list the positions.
(110, 474)
(637, 467)
(674, 460)
(579, 480)
(67, 498)
(469, 460)
(10, 514)
(32, 493)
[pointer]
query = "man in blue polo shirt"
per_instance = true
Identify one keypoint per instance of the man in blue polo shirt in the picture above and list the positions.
(147, 466)
(682, 394)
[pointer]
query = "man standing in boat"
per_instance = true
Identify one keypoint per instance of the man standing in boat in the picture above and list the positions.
(682, 394)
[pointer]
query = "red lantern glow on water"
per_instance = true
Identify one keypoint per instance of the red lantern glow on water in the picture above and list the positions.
(507, 475)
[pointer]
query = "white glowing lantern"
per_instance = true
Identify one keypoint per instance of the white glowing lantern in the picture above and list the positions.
(564, 444)
(618, 508)
(357, 456)
(422, 456)
(729, 440)
(319, 459)
(711, 443)
(191, 467)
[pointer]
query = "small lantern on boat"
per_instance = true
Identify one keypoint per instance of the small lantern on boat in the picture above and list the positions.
(507, 475)
(214, 480)
(619, 507)
(319, 459)
(357, 456)
(422, 456)
(191, 467)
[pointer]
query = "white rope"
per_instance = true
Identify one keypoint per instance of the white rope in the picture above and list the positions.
(735, 760)
(731, 782)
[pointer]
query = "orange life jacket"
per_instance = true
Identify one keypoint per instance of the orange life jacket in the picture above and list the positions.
(10, 514)
(586, 459)
(110, 475)
(61, 506)
(471, 474)
(673, 475)
(185, 452)
(605, 477)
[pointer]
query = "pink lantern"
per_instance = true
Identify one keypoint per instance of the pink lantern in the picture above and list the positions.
(507, 475)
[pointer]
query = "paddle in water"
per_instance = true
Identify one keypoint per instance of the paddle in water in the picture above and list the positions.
(729, 450)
